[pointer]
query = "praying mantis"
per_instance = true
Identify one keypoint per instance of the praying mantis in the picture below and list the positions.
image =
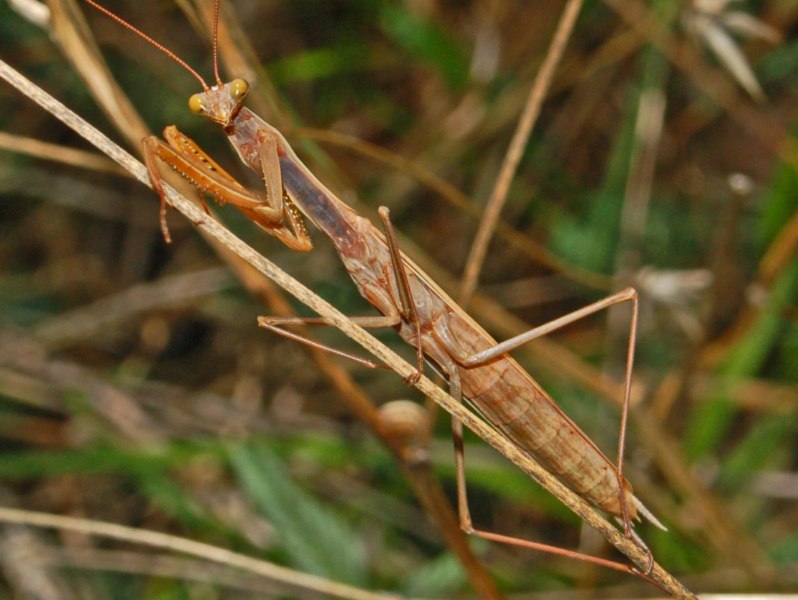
(477, 368)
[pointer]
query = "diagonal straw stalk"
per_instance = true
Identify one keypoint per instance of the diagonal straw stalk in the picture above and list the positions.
(533, 469)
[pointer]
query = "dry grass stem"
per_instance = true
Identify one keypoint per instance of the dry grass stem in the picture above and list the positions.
(380, 351)
(183, 546)
(104, 314)
(535, 251)
(57, 153)
(515, 151)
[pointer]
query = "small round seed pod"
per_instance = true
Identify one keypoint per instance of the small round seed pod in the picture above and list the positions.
(407, 422)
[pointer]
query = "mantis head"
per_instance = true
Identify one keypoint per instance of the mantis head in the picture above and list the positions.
(221, 102)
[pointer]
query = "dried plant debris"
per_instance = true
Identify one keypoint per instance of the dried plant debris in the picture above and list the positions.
(713, 23)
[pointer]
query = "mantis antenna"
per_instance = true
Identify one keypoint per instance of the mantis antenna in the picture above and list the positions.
(163, 48)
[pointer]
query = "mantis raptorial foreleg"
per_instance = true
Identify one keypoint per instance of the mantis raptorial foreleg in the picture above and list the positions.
(275, 213)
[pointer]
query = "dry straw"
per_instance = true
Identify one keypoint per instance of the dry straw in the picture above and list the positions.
(209, 226)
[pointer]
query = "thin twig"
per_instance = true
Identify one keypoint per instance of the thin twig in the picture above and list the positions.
(70, 29)
(148, 563)
(82, 323)
(190, 547)
(73, 157)
(498, 196)
(521, 242)
(195, 214)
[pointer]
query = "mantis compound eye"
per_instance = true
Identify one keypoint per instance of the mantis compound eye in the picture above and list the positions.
(239, 88)
(196, 104)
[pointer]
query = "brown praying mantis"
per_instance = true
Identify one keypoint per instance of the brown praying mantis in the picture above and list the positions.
(477, 368)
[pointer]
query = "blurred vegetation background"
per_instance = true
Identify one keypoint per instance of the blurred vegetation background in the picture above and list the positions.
(136, 388)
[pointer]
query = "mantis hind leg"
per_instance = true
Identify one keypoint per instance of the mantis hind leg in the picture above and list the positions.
(463, 360)
(464, 511)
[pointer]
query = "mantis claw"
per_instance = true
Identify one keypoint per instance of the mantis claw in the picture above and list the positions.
(413, 378)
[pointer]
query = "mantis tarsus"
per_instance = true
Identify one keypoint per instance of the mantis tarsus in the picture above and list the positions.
(477, 368)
